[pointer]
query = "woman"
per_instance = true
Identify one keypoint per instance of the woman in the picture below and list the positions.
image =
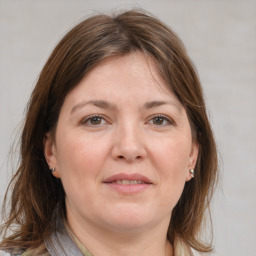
(117, 154)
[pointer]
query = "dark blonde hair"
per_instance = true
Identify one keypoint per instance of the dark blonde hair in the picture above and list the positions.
(35, 192)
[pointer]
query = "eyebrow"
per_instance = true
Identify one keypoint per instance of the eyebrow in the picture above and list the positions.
(107, 105)
(153, 104)
(98, 103)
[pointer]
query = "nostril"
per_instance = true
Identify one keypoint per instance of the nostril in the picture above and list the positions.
(129, 158)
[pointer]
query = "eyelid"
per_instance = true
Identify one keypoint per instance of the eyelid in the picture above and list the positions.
(106, 121)
(167, 118)
(87, 118)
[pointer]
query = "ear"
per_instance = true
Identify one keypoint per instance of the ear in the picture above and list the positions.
(192, 159)
(50, 154)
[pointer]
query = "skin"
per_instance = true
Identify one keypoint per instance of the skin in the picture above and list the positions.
(126, 136)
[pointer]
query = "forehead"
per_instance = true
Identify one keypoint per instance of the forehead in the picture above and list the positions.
(125, 75)
(125, 85)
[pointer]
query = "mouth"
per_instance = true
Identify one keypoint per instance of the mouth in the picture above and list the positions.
(128, 183)
(128, 179)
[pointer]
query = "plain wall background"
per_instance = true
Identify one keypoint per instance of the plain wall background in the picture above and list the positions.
(221, 39)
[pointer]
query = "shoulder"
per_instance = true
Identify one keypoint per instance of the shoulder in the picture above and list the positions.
(195, 253)
(3, 253)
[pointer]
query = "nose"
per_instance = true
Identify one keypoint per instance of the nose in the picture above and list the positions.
(129, 144)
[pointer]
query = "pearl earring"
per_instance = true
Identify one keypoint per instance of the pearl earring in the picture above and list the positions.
(192, 173)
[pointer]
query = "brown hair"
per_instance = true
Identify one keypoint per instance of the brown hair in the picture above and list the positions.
(35, 192)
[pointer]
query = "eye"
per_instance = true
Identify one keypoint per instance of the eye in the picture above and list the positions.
(161, 120)
(95, 120)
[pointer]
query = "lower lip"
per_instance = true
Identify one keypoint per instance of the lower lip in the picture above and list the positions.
(128, 189)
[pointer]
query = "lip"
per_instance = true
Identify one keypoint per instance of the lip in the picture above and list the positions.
(128, 188)
(124, 176)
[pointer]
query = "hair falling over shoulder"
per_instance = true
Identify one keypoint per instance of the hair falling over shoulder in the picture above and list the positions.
(34, 192)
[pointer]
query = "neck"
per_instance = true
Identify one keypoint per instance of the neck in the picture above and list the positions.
(111, 243)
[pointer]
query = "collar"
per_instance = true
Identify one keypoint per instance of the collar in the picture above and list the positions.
(60, 242)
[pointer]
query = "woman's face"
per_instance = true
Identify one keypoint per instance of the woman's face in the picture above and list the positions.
(122, 149)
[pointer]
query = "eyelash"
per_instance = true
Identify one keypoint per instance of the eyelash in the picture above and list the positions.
(164, 118)
(90, 118)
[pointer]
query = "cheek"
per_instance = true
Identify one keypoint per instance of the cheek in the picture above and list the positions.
(79, 166)
(79, 159)
(171, 161)
(172, 155)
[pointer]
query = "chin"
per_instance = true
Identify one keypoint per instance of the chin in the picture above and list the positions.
(130, 220)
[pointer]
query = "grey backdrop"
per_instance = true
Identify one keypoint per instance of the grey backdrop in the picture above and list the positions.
(221, 39)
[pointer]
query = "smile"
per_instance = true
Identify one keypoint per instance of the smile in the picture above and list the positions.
(128, 182)
(128, 179)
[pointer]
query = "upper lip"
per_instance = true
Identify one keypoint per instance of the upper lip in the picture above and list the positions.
(130, 177)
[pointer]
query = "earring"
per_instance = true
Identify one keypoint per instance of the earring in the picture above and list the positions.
(192, 173)
(52, 170)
